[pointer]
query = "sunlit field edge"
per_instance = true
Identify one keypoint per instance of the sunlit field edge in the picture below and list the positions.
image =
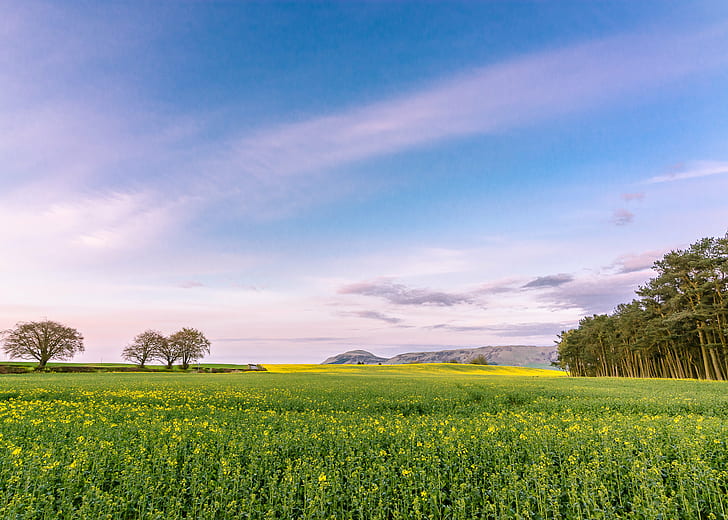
(415, 368)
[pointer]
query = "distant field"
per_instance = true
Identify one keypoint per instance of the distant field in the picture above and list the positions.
(322, 442)
(423, 368)
(111, 367)
(32, 364)
(416, 369)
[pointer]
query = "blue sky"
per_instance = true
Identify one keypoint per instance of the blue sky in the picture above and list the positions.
(299, 179)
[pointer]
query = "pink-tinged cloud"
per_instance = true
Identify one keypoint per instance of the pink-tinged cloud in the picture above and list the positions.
(632, 263)
(622, 217)
(80, 229)
(486, 100)
(629, 197)
(190, 284)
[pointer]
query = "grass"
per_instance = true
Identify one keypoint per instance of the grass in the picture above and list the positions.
(361, 442)
(110, 367)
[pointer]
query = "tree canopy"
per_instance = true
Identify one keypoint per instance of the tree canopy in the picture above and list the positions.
(43, 341)
(189, 345)
(146, 346)
(186, 345)
(677, 327)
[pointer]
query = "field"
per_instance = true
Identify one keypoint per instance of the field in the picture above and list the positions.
(458, 442)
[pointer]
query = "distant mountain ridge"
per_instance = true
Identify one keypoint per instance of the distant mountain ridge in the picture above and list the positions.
(511, 355)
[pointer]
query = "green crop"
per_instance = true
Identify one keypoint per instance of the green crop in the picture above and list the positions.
(360, 446)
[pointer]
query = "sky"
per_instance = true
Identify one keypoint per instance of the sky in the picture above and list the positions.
(300, 179)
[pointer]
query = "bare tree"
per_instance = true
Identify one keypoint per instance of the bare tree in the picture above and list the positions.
(189, 345)
(145, 347)
(42, 340)
(168, 352)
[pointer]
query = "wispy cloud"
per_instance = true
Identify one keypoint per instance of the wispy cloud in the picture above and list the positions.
(553, 280)
(190, 284)
(511, 329)
(622, 217)
(632, 263)
(258, 339)
(531, 329)
(629, 197)
(80, 226)
(697, 170)
(485, 100)
(400, 294)
(373, 315)
(596, 293)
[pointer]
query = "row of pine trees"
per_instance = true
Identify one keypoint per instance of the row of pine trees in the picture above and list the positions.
(677, 327)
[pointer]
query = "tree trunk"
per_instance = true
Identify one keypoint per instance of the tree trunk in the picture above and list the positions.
(716, 364)
(704, 355)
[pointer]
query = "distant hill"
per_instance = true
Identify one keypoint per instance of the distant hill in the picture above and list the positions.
(511, 355)
(354, 357)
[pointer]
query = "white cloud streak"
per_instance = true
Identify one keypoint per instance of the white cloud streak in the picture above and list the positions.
(489, 99)
(700, 169)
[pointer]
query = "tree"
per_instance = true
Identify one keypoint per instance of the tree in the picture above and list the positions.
(167, 352)
(189, 345)
(677, 327)
(145, 346)
(480, 359)
(43, 341)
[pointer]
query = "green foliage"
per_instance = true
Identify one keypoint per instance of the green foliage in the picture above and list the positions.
(480, 359)
(322, 446)
(676, 328)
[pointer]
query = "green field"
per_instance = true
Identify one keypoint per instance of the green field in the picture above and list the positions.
(361, 442)
(29, 366)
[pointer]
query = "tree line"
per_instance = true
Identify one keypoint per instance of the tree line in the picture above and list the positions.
(46, 340)
(676, 327)
(186, 345)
